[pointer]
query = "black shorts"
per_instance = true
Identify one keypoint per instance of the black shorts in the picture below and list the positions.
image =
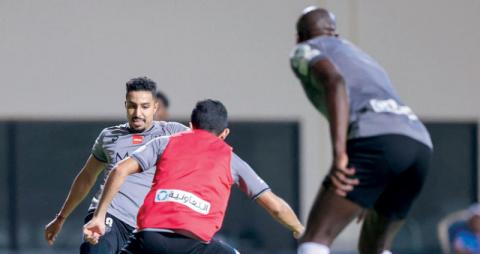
(391, 170)
(150, 242)
(115, 238)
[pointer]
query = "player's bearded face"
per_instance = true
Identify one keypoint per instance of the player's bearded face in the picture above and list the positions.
(141, 108)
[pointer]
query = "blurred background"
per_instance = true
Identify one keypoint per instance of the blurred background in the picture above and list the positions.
(63, 66)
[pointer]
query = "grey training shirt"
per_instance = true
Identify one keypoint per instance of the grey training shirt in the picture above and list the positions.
(115, 144)
(375, 107)
(243, 175)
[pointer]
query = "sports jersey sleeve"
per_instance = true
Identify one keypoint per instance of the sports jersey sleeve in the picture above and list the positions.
(148, 154)
(303, 57)
(246, 179)
(97, 150)
(174, 127)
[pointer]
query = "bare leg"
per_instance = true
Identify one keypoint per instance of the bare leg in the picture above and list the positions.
(377, 233)
(329, 215)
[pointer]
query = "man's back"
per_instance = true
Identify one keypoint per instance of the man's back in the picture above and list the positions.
(375, 107)
(191, 187)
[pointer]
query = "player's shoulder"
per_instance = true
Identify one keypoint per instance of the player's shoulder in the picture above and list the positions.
(161, 141)
(168, 128)
(303, 56)
(116, 130)
(235, 157)
(318, 45)
(238, 162)
(307, 50)
(308, 45)
(325, 41)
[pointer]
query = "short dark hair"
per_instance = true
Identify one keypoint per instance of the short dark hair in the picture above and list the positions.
(210, 115)
(141, 84)
(163, 98)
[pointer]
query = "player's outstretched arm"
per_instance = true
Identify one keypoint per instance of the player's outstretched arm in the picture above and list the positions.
(333, 83)
(79, 189)
(96, 226)
(281, 211)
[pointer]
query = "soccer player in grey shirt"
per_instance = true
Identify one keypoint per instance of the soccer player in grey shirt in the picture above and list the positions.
(381, 150)
(112, 145)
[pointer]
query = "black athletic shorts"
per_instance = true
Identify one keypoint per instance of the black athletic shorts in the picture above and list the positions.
(115, 238)
(391, 170)
(150, 242)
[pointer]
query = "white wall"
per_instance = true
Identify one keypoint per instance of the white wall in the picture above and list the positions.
(62, 59)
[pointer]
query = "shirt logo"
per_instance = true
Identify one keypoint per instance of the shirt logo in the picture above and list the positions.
(301, 57)
(186, 198)
(137, 139)
(391, 106)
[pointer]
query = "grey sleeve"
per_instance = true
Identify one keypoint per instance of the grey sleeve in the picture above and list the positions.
(246, 179)
(304, 56)
(174, 127)
(97, 149)
(148, 154)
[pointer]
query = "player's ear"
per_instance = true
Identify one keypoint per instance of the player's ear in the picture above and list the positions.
(224, 133)
(155, 106)
(125, 103)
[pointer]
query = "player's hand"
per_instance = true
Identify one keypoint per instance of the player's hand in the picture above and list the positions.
(94, 229)
(53, 228)
(342, 176)
(298, 232)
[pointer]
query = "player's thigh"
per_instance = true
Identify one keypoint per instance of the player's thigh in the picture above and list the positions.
(378, 162)
(102, 247)
(370, 159)
(148, 242)
(399, 195)
(329, 215)
(218, 247)
(115, 237)
(377, 233)
(120, 232)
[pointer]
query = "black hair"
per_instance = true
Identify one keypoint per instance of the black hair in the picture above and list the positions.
(163, 98)
(141, 84)
(210, 115)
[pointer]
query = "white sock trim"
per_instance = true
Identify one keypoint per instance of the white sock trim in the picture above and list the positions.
(313, 248)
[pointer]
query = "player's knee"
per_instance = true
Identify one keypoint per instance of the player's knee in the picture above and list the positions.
(371, 246)
(364, 247)
(322, 235)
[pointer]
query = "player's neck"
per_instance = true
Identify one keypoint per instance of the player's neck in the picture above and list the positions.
(147, 128)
